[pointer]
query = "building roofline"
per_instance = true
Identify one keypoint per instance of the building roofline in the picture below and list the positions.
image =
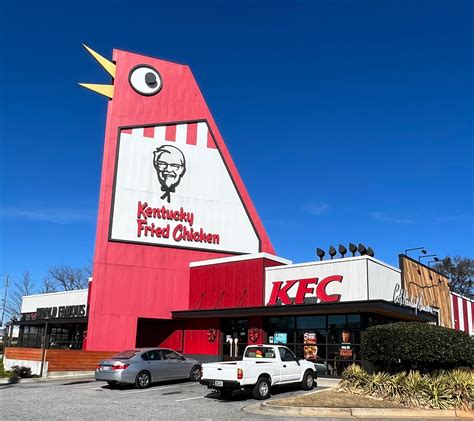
(55, 293)
(326, 262)
(240, 258)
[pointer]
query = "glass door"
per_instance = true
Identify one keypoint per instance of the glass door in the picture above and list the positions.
(235, 338)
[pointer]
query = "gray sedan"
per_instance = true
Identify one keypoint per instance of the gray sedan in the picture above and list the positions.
(144, 366)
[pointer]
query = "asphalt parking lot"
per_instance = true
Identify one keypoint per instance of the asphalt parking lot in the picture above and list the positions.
(88, 399)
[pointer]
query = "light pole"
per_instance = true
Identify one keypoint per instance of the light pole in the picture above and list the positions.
(423, 257)
(423, 250)
(6, 334)
(4, 299)
(43, 345)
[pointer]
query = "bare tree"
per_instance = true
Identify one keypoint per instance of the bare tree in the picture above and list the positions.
(20, 288)
(460, 272)
(88, 269)
(48, 285)
(68, 278)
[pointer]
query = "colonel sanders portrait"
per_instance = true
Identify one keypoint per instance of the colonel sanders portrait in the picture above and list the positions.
(170, 167)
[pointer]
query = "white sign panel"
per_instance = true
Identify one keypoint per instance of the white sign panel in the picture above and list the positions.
(331, 281)
(172, 188)
(30, 303)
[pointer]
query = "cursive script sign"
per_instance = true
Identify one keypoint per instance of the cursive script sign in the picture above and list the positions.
(403, 298)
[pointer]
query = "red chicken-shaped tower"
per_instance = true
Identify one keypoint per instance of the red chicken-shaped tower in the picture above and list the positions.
(170, 194)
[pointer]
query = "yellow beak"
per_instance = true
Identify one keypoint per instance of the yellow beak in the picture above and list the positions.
(106, 90)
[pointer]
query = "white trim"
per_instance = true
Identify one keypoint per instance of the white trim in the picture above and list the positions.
(58, 292)
(241, 258)
(451, 305)
(461, 314)
(462, 296)
(470, 328)
(328, 262)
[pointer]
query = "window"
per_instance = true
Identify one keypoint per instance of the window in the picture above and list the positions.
(281, 324)
(125, 355)
(167, 354)
(311, 322)
(337, 322)
(353, 321)
(259, 352)
(286, 354)
(152, 355)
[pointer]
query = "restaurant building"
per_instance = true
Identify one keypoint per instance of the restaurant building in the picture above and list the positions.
(183, 260)
(63, 315)
(318, 309)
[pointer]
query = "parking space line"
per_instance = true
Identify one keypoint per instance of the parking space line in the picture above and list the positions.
(157, 388)
(89, 386)
(151, 389)
(189, 399)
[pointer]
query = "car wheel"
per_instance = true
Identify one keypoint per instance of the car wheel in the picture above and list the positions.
(308, 381)
(195, 374)
(225, 393)
(262, 389)
(143, 380)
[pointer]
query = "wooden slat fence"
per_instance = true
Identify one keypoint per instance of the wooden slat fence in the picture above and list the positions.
(28, 354)
(68, 360)
(60, 359)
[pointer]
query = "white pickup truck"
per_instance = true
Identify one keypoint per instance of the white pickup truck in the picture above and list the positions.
(262, 367)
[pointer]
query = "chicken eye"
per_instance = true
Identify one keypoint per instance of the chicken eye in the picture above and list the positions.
(145, 80)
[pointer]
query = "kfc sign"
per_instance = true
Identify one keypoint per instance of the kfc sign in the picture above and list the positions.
(173, 188)
(296, 291)
(359, 278)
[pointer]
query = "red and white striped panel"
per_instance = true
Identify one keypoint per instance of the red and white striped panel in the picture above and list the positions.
(462, 313)
(184, 133)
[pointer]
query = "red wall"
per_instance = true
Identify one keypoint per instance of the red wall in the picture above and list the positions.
(196, 340)
(229, 285)
(130, 280)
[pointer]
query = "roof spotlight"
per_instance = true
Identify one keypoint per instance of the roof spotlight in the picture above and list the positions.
(415, 248)
(370, 252)
(352, 249)
(342, 250)
(362, 249)
(332, 252)
(320, 253)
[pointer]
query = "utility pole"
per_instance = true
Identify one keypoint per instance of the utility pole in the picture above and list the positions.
(4, 299)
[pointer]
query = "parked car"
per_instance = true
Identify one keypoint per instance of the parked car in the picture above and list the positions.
(262, 367)
(322, 367)
(144, 366)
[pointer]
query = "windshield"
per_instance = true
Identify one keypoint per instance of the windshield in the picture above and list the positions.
(259, 352)
(125, 355)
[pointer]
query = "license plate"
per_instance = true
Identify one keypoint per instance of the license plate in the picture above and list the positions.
(218, 383)
(105, 368)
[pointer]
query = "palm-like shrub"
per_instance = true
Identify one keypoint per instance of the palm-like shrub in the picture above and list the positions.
(355, 377)
(440, 390)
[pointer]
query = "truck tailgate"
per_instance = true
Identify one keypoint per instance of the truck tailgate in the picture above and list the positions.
(220, 371)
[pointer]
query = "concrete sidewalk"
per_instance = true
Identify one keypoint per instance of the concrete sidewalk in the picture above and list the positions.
(375, 413)
(59, 375)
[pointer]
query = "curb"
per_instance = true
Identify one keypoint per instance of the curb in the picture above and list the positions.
(313, 411)
(47, 379)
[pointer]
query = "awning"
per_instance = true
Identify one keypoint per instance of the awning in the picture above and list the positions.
(381, 307)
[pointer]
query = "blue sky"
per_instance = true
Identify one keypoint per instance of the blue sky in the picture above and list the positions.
(348, 120)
